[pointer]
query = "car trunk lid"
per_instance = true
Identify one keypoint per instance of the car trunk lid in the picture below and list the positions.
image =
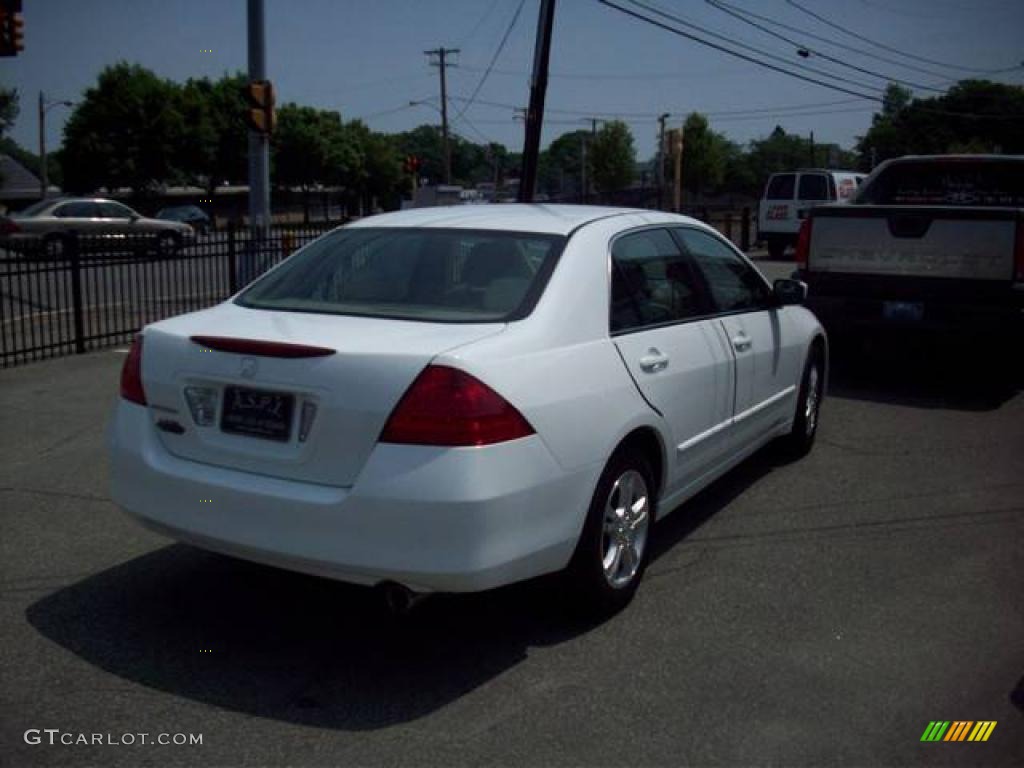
(293, 395)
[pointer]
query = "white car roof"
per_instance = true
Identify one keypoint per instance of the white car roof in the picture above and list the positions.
(515, 217)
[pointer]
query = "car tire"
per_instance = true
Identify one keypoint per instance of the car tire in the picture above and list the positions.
(167, 244)
(800, 440)
(776, 249)
(54, 247)
(614, 547)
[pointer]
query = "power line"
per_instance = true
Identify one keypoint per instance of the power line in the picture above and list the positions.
(830, 41)
(736, 54)
(820, 54)
(766, 54)
(605, 75)
(890, 48)
(480, 22)
(494, 59)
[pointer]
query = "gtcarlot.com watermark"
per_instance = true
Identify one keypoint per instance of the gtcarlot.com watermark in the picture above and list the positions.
(55, 736)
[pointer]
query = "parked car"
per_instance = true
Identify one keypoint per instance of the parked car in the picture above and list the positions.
(102, 225)
(789, 196)
(192, 215)
(930, 242)
(458, 398)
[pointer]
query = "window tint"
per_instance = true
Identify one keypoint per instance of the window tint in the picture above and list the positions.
(436, 275)
(781, 187)
(115, 211)
(813, 186)
(77, 211)
(956, 182)
(652, 282)
(733, 284)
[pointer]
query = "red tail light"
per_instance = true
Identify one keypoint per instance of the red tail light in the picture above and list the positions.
(803, 243)
(446, 406)
(7, 227)
(1018, 254)
(131, 374)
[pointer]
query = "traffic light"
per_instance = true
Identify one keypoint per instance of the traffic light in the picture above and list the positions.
(411, 164)
(260, 115)
(12, 28)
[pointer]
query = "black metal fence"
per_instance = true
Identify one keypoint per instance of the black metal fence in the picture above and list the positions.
(98, 292)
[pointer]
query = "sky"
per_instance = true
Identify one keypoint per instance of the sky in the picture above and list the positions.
(364, 58)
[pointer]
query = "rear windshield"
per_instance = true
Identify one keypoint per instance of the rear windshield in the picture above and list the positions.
(949, 183)
(780, 187)
(436, 275)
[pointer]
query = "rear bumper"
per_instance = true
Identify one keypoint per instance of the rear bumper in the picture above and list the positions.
(850, 302)
(429, 518)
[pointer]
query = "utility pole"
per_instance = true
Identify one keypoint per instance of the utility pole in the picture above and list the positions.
(812, 149)
(44, 181)
(259, 142)
(583, 167)
(538, 89)
(677, 153)
(661, 160)
(441, 62)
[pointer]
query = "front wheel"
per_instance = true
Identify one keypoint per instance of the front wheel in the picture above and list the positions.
(167, 244)
(613, 549)
(800, 440)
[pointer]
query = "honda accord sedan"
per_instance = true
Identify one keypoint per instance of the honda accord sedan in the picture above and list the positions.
(452, 399)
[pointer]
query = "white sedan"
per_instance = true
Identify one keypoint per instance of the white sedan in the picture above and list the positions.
(459, 398)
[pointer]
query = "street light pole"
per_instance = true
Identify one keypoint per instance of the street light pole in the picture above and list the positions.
(44, 181)
(44, 177)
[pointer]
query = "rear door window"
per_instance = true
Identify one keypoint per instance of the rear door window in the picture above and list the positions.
(653, 282)
(780, 187)
(813, 186)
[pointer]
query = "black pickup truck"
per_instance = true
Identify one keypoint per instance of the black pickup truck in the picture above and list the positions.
(929, 242)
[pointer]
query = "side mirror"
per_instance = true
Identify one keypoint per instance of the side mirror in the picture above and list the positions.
(789, 291)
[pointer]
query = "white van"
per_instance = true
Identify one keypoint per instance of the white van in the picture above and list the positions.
(788, 196)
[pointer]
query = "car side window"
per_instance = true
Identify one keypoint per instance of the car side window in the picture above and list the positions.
(653, 282)
(733, 284)
(115, 211)
(76, 211)
(813, 186)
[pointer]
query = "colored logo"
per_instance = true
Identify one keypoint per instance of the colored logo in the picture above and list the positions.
(958, 730)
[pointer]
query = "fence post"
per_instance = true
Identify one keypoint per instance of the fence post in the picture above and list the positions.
(232, 260)
(76, 293)
(745, 230)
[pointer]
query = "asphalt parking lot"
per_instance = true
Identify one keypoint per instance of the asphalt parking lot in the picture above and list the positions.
(821, 612)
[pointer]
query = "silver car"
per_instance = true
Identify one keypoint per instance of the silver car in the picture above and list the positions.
(102, 225)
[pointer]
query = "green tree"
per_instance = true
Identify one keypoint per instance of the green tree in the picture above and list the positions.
(213, 148)
(706, 156)
(613, 157)
(561, 173)
(123, 132)
(9, 108)
(972, 116)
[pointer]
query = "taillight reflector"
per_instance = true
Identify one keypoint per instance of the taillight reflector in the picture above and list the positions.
(7, 227)
(131, 374)
(446, 406)
(259, 348)
(803, 243)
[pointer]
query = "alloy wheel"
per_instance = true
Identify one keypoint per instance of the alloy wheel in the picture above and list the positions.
(627, 518)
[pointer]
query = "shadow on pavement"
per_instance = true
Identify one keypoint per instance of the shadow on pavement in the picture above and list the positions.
(296, 648)
(905, 368)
